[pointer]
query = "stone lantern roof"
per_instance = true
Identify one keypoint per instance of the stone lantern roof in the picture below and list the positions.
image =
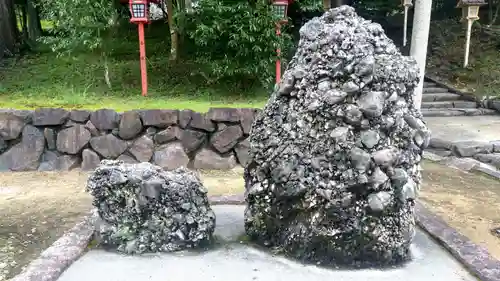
(462, 3)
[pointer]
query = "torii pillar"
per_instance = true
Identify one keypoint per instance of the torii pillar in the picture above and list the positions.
(419, 42)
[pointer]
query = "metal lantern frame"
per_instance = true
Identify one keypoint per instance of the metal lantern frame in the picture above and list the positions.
(139, 14)
(470, 8)
(139, 11)
(280, 9)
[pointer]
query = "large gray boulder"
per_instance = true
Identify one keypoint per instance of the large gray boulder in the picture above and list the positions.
(24, 156)
(333, 168)
(143, 208)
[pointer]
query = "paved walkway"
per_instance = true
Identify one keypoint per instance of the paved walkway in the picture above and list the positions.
(235, 261)
(465, 128)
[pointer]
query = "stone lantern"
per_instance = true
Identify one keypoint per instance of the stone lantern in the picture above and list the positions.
(470, 13)
(470, 9)
(406, 4)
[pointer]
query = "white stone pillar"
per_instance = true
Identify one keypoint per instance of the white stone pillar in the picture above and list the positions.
(419, 42)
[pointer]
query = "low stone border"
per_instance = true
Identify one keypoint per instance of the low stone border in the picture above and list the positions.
(475, 258)
(465, 164)
(67, 249)
(478, 151)
(54, 260)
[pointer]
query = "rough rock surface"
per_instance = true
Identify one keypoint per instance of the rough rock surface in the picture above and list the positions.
(225, 139)
(105, 119)
(72, 140)
(108, 146)
(145, 209)
(90, 159)
(171, 156)
(159, 118)
(25, 155)
(333, 169)
(130, 125)
(208, 159)
(142, 149)
(79, 115)
(10, 126)
(50, 116)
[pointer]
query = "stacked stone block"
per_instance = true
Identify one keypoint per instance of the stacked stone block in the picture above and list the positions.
(56, 139)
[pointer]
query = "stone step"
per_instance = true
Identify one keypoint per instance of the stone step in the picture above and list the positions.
(435, 89)
(449, 104)
(440, 97)
(443, 112)
(430, 84)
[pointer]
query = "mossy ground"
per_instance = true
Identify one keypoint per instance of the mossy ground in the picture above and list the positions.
(446, 56)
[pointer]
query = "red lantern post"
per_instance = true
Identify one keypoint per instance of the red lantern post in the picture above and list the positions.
(139, 10)
(280, 8)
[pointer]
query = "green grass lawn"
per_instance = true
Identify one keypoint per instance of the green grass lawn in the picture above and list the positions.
(44, 80)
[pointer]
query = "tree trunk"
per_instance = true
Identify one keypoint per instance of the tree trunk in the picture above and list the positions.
(189, 6)
(337, 3)
(490, 11)
(495, 16)
(419, 42)
(34, 25)
(173, 31)
(9, 34)
(24, 19)
(326, 5)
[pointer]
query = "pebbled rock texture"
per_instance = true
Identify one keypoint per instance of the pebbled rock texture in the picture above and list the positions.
(333, 167)
(143, 208)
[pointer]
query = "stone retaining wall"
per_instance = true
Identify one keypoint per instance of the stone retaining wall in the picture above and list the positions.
(492, 103)
(55, 139)
(485, 152)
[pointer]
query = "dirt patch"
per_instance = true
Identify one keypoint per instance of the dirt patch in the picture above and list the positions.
(469, 202)
(223, 182)
(37, 208)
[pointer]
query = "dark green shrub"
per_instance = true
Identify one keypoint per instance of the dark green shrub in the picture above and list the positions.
(234, 40)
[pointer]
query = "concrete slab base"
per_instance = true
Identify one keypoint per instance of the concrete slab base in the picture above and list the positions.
(232, 260)
(465, 128)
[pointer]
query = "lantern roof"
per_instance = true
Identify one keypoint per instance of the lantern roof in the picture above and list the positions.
(464, 3)
(282, 1)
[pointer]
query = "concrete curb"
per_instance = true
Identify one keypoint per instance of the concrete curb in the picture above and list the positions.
(475, 258)
(480, 167)
(67, 249)
(61, 254)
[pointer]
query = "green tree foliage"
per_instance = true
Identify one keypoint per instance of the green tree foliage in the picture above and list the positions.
(78, 23)
(377, 10)
(309, 5)
(235, 39)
